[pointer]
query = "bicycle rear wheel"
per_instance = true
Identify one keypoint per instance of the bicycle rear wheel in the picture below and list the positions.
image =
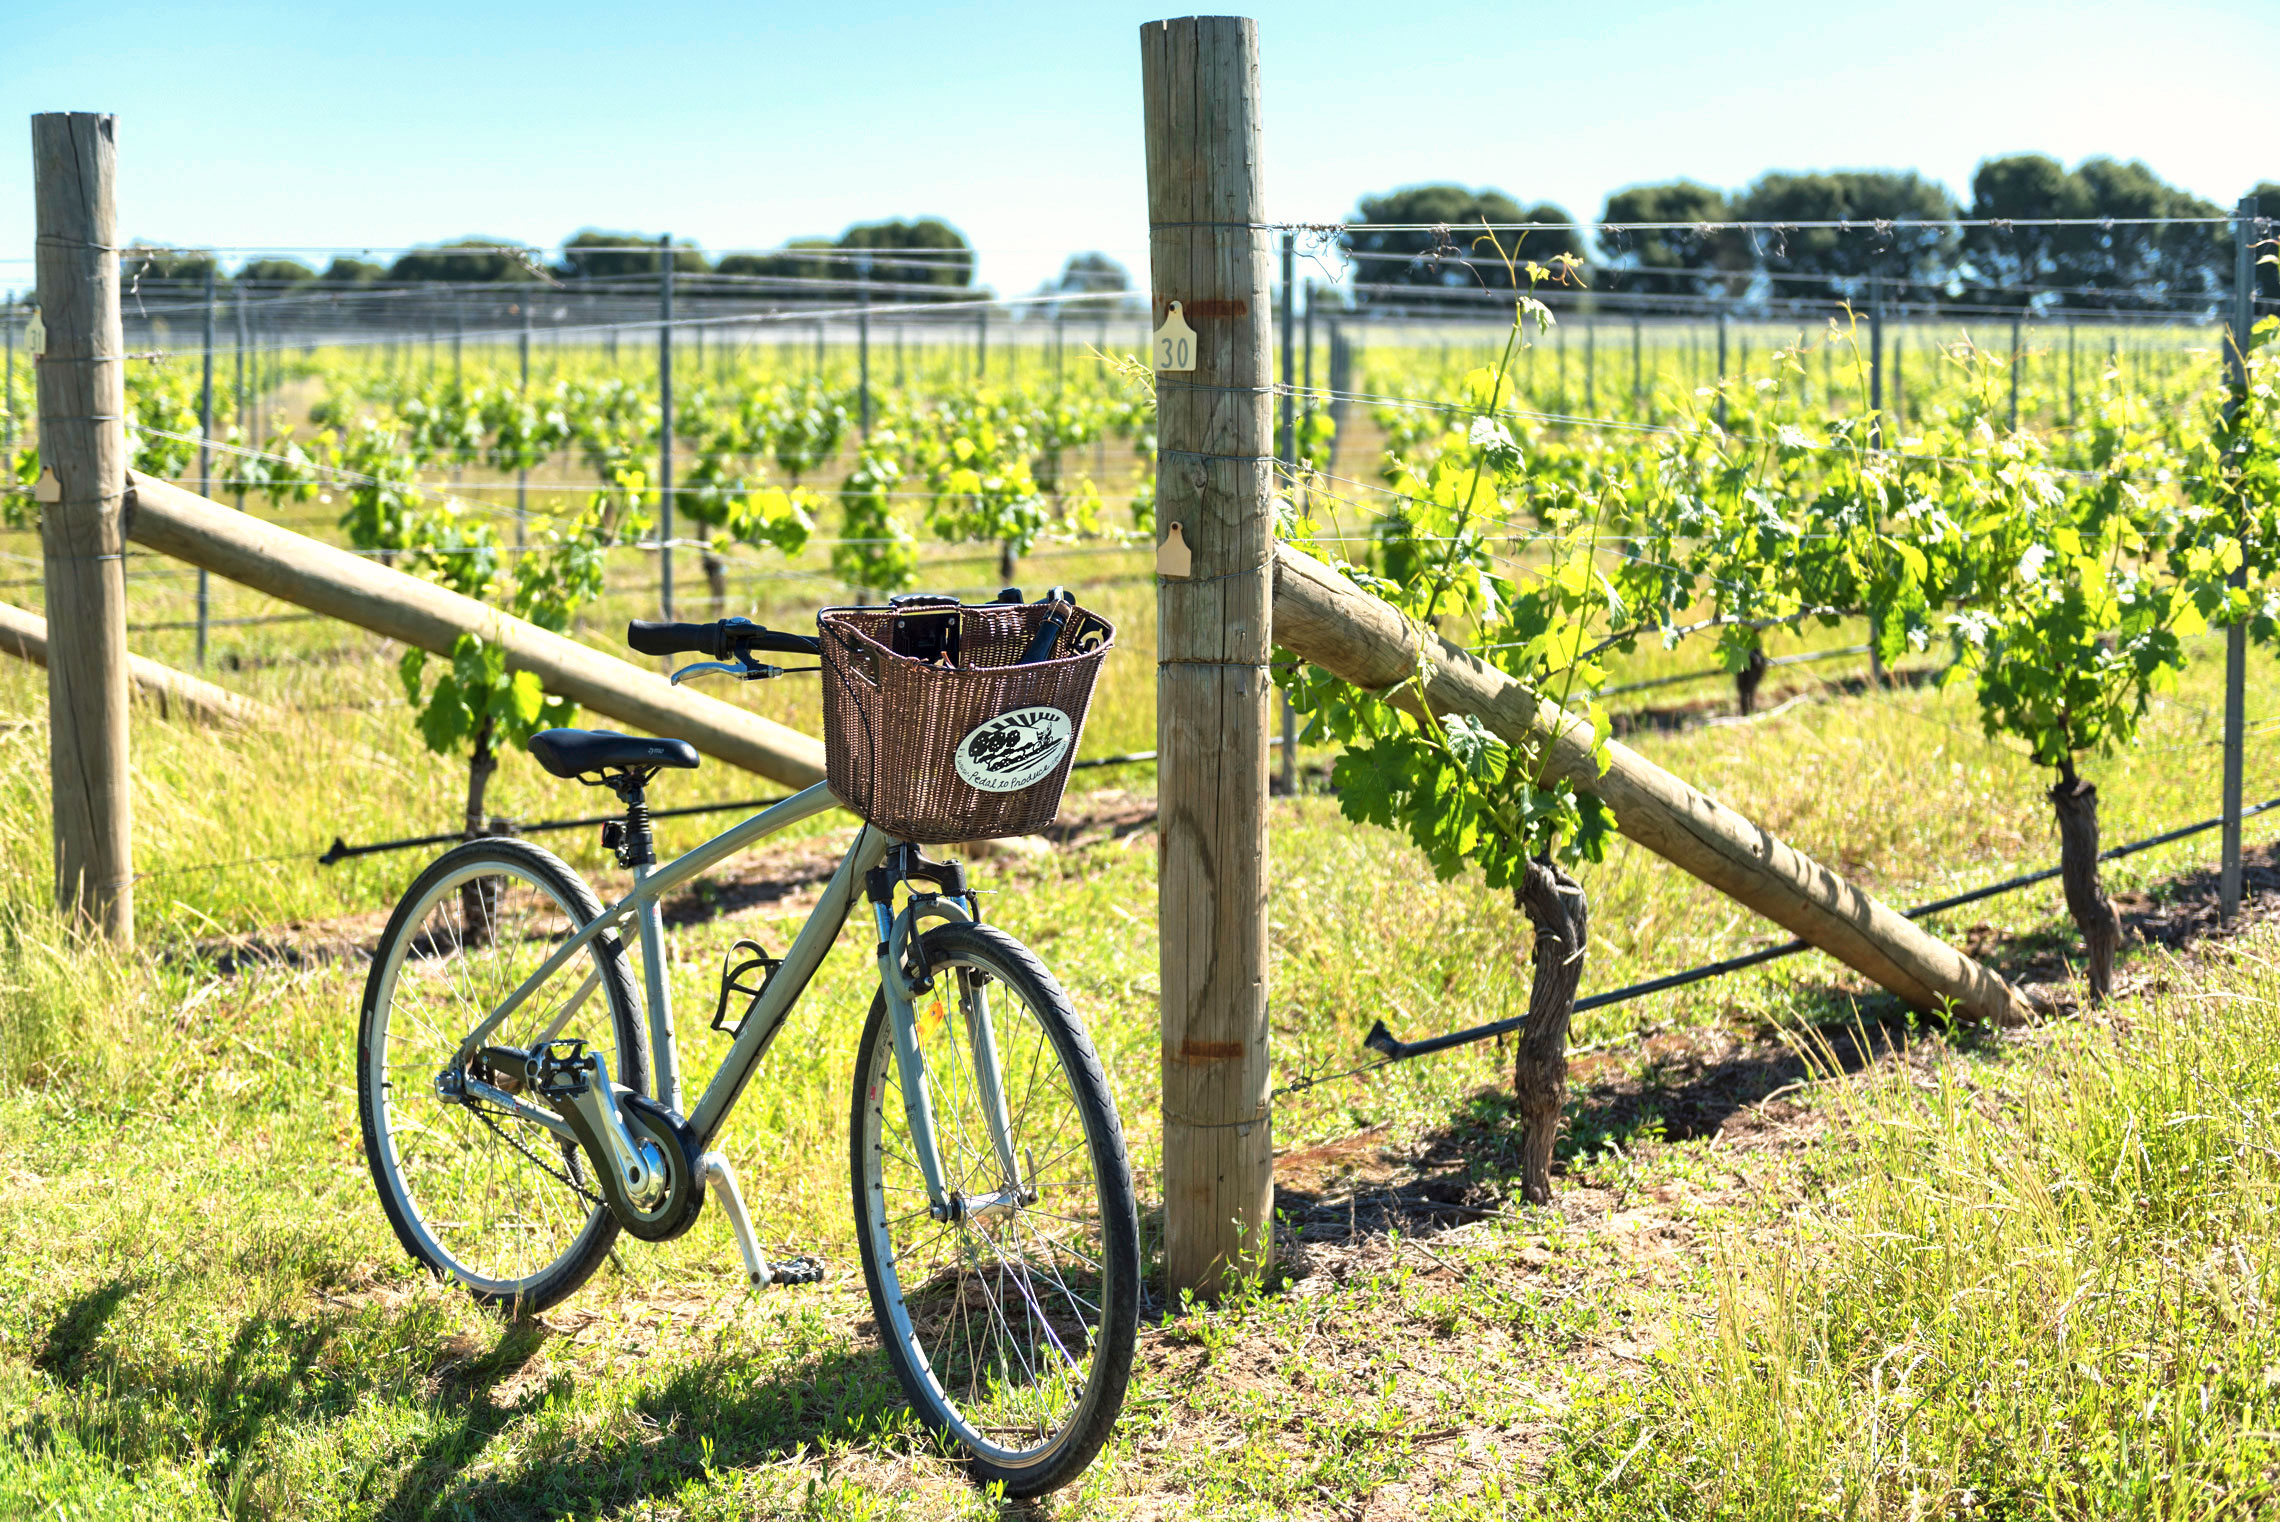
(478, 1194)
(1011, 1326)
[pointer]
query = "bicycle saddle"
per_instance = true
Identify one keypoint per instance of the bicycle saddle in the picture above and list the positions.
(575, 752)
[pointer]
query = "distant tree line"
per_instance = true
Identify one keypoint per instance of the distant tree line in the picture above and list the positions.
(925, 255)
(2098, 267)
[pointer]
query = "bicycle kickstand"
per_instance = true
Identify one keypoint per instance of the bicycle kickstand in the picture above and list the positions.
(758, 1270)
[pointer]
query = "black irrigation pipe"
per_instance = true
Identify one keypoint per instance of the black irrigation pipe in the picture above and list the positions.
(226, 623)
(341, 850)
(1382, 1040)
(1139, 757)
(1805, 659)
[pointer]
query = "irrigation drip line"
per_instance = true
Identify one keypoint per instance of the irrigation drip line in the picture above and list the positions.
(1521, 536)
(1423, 298)
(801, 315)
(340, 850)
(1711, 430)
(1851, 224)
(1804, 659)
(225, 623)
(944, 257)
(1382, 1040)
(1140, 757)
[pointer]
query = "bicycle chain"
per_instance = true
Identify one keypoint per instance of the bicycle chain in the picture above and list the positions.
(536, 1161)
(800, 1270)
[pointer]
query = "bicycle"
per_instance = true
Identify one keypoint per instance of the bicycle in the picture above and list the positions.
(522, 1105)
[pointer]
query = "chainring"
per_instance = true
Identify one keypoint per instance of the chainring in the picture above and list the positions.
(684, 1197)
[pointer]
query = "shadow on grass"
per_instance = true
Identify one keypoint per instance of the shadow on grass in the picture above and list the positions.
(832, 1398)
(263, 1376)
(650, 1443)
(63, 1352)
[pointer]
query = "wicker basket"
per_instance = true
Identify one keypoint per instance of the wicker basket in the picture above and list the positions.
(937, 752)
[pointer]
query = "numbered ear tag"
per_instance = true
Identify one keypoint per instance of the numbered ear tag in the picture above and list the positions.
(47, 488)
(35, 334)
(1175, 345)
(1173, 558)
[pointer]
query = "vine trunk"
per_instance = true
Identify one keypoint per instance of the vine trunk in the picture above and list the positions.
(1554, 903)
(716, 577)
(1746, 681)
(2076, 804)
(478, 896)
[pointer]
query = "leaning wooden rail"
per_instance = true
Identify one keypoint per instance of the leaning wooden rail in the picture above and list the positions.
(1322, 617)
(333, 582)
(25, 636)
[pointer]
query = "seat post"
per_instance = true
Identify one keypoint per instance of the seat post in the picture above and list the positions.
(636, 848)
(635, 845)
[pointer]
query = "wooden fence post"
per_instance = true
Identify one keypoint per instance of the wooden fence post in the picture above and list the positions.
(1208, 251)
(82, 490)
(2236, 637)
(665, 424)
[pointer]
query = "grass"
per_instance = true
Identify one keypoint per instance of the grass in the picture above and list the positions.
(1816, 1304)
(2028, 1283)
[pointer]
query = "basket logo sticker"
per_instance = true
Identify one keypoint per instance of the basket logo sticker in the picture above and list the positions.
(1015, 750)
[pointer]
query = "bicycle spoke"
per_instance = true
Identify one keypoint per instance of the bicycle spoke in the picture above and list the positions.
(475, 1176)
(1006, 1305)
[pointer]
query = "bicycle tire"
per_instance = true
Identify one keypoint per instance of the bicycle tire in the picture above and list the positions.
(954, 951)
(380, 1104)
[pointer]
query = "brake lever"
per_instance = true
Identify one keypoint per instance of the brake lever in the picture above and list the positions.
(723, 666)
(749, 671)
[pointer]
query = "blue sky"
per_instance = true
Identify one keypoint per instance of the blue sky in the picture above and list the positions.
(353, 126)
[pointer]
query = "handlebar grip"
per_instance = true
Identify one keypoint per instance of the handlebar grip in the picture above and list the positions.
(651, 637)
(780, 640)
(722, 641)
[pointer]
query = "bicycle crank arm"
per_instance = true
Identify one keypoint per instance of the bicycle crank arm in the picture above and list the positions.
(644, 1155)
(631, 1169)
(520, 1109)
(723, 1180)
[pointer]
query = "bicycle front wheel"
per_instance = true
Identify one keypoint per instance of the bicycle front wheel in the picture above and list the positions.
(478, 1189)
(1011, 1324)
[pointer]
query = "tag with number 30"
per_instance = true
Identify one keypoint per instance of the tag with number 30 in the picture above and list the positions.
(1175, 342)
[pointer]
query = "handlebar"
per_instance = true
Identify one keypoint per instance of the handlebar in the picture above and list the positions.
(726, 639)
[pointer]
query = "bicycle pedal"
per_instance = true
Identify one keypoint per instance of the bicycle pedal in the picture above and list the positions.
(800, 1270)
(561, 1071)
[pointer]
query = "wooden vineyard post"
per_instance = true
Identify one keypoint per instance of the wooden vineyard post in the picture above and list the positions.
(206, 458)
(1876, 360)
(2014, 372)
(1590, 367)
(665, 425)
(1900, 365)
(2071, 410)
(1638, 385)
(522, 472)
(863, 346)
(82, 491)
(1286, 452)
(1208, 251)
(2236, 637)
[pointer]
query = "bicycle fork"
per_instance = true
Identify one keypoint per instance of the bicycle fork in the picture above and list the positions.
(944, 1203)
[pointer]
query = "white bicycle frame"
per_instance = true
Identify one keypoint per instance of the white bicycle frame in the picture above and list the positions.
(783, 989)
